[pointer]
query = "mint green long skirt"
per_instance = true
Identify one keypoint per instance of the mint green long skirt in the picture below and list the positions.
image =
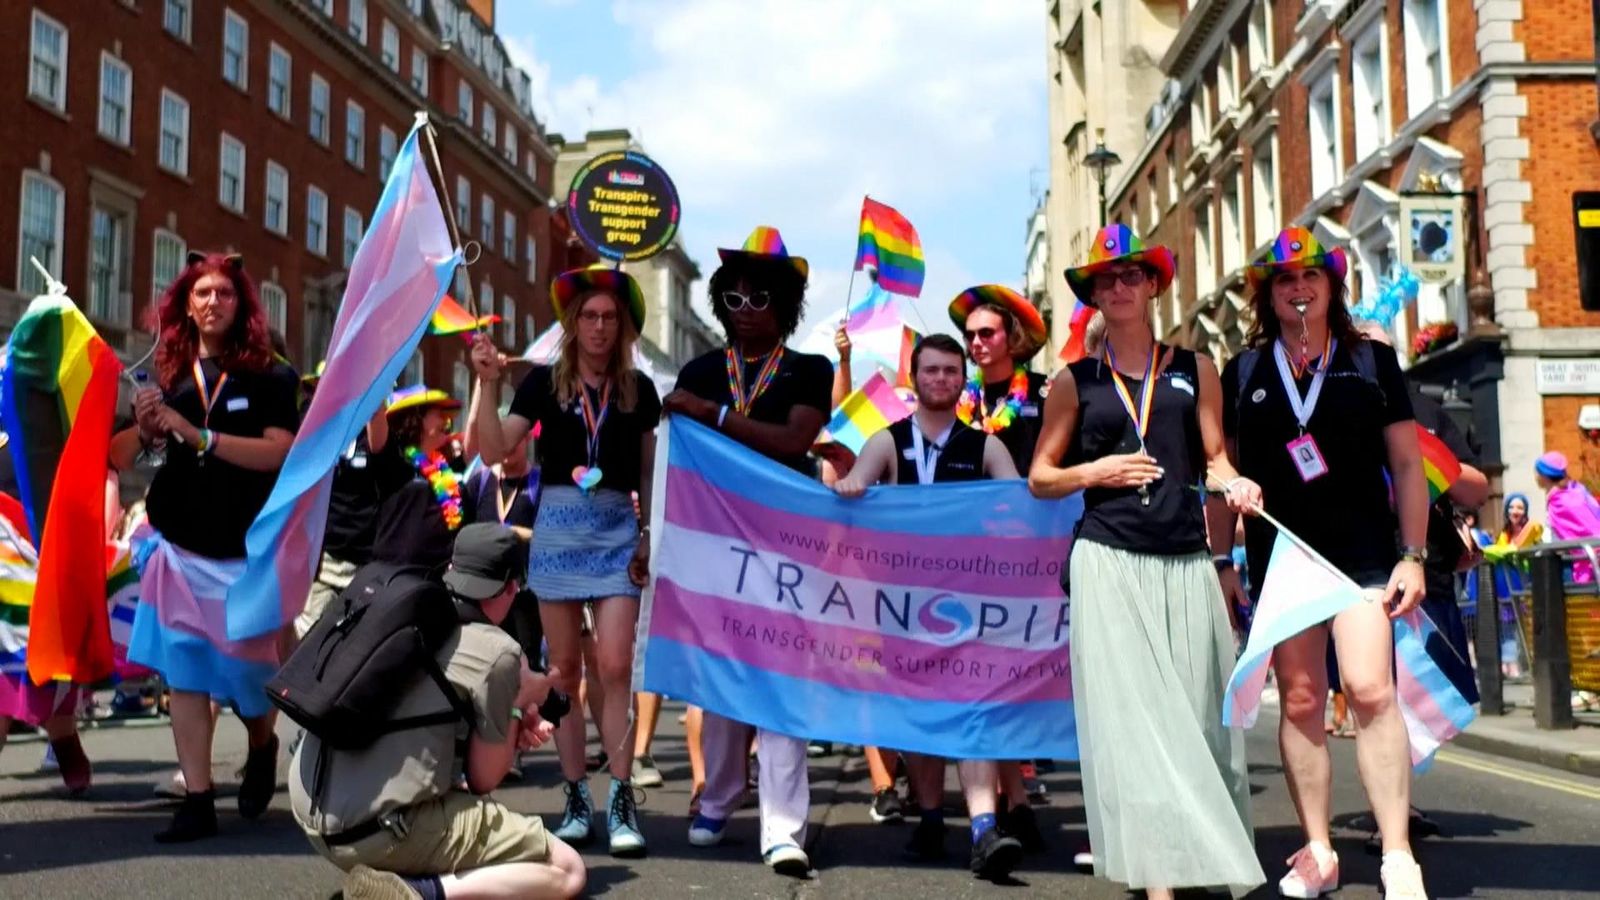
(1165, 787)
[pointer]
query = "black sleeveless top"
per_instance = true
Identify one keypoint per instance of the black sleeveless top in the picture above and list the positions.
(1174, 523)
(961, 458)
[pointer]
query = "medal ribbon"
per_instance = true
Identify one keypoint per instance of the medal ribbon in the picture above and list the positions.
(207, 401)
(736, 385)
(928, 459)
(1147, 395)
(1303, 408)
(592, 420)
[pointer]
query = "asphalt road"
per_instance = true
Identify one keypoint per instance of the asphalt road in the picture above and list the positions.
(1511, 830)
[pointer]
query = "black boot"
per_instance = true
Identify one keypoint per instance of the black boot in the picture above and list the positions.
(195, 819)
(1020, 823)
(260, 779)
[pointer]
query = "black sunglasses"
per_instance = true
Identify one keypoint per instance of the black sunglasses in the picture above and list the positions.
(987, 333)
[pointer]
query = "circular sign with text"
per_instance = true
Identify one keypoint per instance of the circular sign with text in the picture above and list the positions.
(623, 206)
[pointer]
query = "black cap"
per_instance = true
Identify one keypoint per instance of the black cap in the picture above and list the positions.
(487, 555)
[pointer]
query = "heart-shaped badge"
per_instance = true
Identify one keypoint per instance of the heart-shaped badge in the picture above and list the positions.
(586, 477)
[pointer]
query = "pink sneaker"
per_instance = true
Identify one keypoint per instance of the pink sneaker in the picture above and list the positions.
(1402, 877)
(1309, 877)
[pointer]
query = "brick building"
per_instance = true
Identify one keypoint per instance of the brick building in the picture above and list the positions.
(143, 128)
(1337, 114)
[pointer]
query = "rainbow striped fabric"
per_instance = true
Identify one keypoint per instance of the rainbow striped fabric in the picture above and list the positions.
(1077, 332)
(451, 318)
(1439, 465)
(866, 411)
(890, 245)
(57, 403)
(928, 618)
(399, 274)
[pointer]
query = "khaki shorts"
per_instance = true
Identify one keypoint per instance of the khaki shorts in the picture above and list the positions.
(333, 576)
(455, 833)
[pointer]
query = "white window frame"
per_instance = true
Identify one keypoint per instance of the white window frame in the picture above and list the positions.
(158, 281)
(1205, 260)
(115, 308)
(324, 109)
(55, 95)
(389, 51)
(1200, 112)
(489, 124)
(1265, 201)
(486, 219)
(508, 235)
(25, 269)
(1425, 84)
(465, 101)
(509, 142)
(355, 134)
(1227, 79)
(388, 149)
(180, 166)
(276, 191)
(283, 106)
(1173, 181)
(231, 18)
(357, 15)
(1327, 152)
(1372, 126)
(463, 203)
(531, 249)
(229, 141)
(1231, 224)
(508, 320)
(185, 8)
(350, 238)
(275, 305)
(121, 132)
(1259, 39)
(316, 199)
(419, 70)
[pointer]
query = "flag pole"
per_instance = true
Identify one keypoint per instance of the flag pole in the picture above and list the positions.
(441, 189)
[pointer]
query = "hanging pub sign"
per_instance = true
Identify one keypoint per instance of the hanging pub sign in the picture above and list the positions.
(623, 206)
(1433, 237)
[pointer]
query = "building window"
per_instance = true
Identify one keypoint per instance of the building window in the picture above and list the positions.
(489, 126)
(415, 6)
(1371, 94)
(324, 6)
(358, 20)
(1264, 189)
(508, 145)
(316, 221)
(1227, 79)
(1205, 266)
(276, 304)
(508, 235)
(1375, 253)
(486, 220)
(508, 320)
(419, 70)
(175, 18)
(319, 110)
(108, 235)
(40, 223)
(1261, 36)
(235, 50)
(391, 46)
(531, 249)
(165, 262)
(276, 216)
(1155, 199)
(1232, 226)
(1325, 163)
(461, 379)
(230, 180)
(174, 150)
(463, 203)
(1172, 173)
(388, 146)
(116, 98)
(47, 76)
(1200, 112)
(530, 166)
(530, 328)
(278, 68)
(353, 229)
(355, 134)
(486, 296)
(464, 102)
(1427, 63)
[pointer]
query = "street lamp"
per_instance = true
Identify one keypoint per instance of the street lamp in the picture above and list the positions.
(1100, 160)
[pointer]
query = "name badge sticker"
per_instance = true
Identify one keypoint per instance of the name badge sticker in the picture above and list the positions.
(1030, 410)
(1307, 458)
(238, 404)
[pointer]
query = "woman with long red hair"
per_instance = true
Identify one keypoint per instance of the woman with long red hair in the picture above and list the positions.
(226, 410)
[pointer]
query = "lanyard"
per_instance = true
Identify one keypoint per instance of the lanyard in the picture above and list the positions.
(1303, 408)
(503, 501)
(1147, 394)
(736, 386)
(592, 420)
(927, 459)
(207, 400)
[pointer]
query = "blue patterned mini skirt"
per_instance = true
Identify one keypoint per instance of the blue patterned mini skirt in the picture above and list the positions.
(582, 544)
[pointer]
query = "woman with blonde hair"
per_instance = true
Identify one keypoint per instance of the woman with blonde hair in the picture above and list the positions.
(597, 416)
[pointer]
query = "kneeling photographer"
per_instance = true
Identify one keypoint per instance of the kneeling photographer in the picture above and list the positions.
(415, 704)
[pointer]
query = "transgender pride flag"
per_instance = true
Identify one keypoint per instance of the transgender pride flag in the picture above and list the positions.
(924, 618)
(402, 268)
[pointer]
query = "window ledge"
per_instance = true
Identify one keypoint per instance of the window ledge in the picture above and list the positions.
(174, 173)
(113, 142)
(44, 103)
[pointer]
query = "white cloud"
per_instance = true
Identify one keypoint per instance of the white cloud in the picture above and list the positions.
(782, 113)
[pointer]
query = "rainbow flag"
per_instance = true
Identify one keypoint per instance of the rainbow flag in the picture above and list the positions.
(1077, 332)
(883, 621)
(908, 343)
(1439, 465)
(399, 274)
(866, 411)
(890, 245)
(450, 318)
(58, 397)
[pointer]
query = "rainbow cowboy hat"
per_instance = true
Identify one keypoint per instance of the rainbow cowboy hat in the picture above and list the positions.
(1118, 244)
(421, 396)
(1296, 248)
(601, 278)
(766, 243)
(999, 295)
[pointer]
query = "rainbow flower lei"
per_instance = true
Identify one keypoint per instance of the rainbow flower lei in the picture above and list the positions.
(991, 422)
(446, 485)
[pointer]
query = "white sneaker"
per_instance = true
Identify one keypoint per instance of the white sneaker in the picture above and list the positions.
(1402, 877)
(787, 859)
(173, 786)
(1314, 872)
(1084, 858)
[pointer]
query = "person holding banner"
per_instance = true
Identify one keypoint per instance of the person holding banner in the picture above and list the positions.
(774, 401)
(1316, 414)
(933, 447)
(228, 413)
(1137, 428)
(597, 417)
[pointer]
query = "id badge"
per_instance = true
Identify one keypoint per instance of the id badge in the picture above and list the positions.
(1307, 458)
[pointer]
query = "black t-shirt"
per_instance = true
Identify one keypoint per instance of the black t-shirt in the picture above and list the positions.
(207, 508)
(1444, 542)
(1345, 514)
(1174, 521)
(563, 438)
(803, 379)
(1022, 435)
(482, 494)
(410, 528)
(960, 459)
(352, 506)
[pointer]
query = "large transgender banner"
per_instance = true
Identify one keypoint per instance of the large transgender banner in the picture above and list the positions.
(920, 618)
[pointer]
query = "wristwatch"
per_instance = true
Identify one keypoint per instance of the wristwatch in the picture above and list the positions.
(1223, 563)
(1418, 555)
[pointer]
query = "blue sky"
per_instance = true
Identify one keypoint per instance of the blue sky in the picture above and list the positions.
(785, 113)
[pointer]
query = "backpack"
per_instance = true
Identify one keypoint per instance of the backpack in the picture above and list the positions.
(344, 681)
(1360, 355)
